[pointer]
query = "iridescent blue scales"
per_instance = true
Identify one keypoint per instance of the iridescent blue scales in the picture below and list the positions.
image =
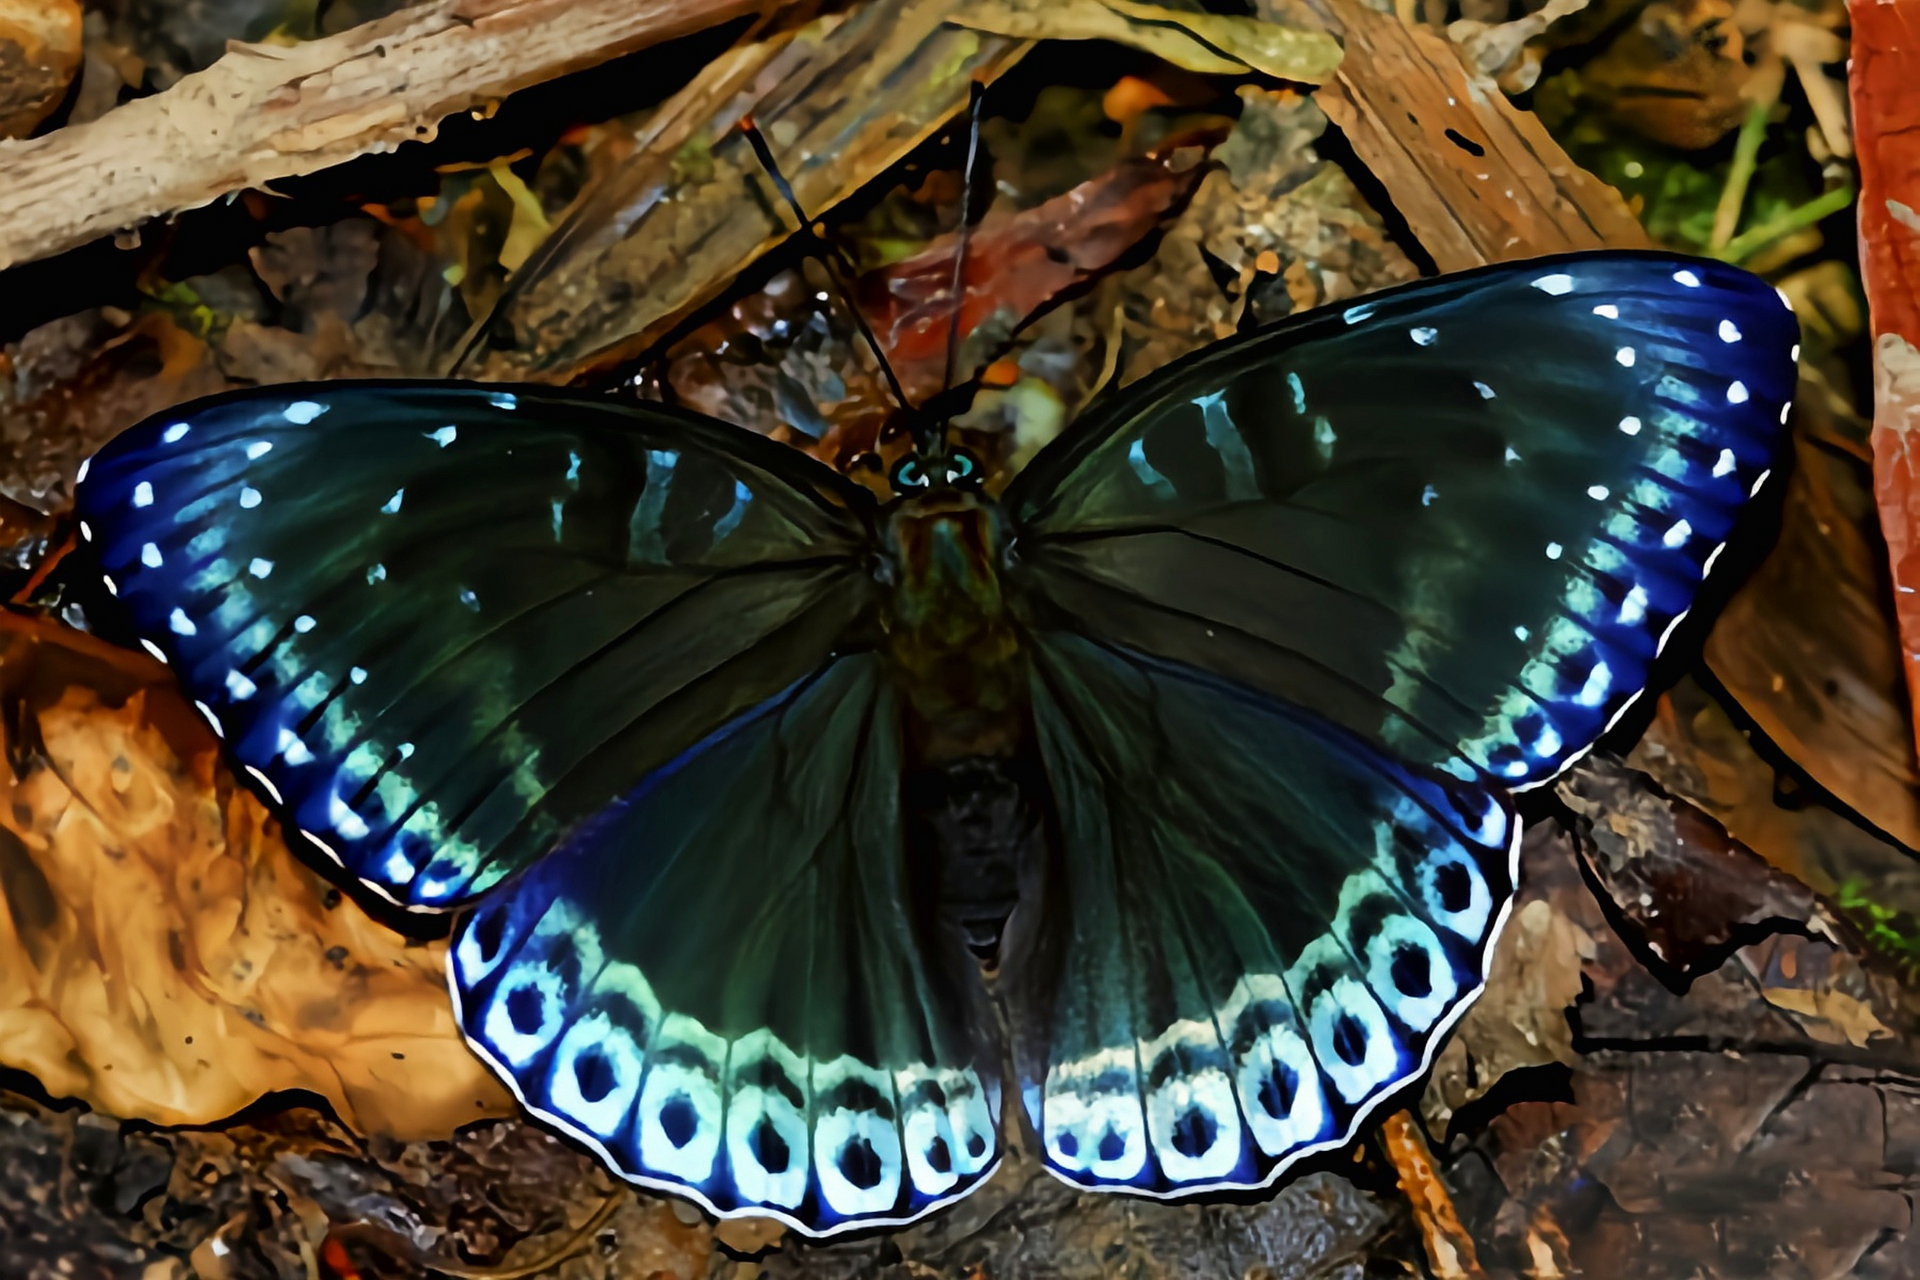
(1293, 618)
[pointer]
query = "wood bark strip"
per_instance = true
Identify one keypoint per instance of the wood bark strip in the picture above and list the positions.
(265, 112)
(1885, 84)
(693, 208)
(1477, 179)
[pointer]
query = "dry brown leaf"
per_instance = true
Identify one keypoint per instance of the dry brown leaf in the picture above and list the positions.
(1211, 44)
(1853, 1017)
(1520, 1019)
(163, 956)
(39, 52)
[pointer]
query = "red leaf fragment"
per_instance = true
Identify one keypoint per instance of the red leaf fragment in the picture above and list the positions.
(1018, 263)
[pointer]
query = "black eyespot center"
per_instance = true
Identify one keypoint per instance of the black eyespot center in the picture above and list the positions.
(1455, 886)
(1350, 1040)
(1412, 970)
(679, 1120)
(489, 931)
(860, 1164)
(1112, 1146)
(594, 1074)
(1069, 1145)
(1277, 1089)
(526, 1009)
(939, 1159)
(1194, 1132)
(769, 1148)
(976, 1146)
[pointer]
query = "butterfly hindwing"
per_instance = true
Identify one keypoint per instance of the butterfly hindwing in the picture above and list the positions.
(442, 623)
(1458, 517)
(760, 1022)
(1261, 927)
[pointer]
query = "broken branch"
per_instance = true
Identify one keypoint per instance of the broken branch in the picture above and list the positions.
(265, 112)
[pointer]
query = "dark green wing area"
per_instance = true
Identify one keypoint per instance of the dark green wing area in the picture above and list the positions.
(720, 984)
(442, 623)
(1458, 518)
(1259, 927)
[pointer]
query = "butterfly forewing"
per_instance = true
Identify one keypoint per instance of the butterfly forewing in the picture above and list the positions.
(442, 624)
(1458, 517)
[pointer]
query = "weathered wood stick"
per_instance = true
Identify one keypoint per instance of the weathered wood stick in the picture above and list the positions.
(1477, 179)
(264, 112)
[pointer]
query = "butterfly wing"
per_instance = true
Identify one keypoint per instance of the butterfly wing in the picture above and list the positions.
(1302, 608)
(762, 1022)
(463, 633)
(1260, 925)
(1459, 517)
(441, 624)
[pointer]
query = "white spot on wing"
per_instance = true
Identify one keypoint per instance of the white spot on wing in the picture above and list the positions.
(239, 686)
(303, 411)
(1630, 425)
(1729, 331)
(1737, 392)
(444, 436)
(259, 449)
(143, 494)
(1625, 356)
(392, 505)
(249, 497)
(1678, 534)
(180, 624)
(1687, 278)
(260, 568)
(1423, 336)
(150, 556)
(175, 433)
(1553, 550)
(1555, 285)
(1608, 310)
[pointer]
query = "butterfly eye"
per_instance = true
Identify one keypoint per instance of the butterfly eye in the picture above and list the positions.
(909, 475)
(963, 468)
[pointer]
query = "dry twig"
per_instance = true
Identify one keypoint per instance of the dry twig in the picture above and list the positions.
(265, 112)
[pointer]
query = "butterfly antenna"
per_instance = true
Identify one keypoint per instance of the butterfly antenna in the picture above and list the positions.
(967, 194)
(830, 255)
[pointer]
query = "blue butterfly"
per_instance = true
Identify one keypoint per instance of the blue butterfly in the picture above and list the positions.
(1193, 751)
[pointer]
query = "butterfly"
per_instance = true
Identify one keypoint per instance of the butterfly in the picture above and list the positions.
(1189, 760)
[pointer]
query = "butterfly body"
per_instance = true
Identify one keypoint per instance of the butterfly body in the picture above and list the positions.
(952, 638)
(1204, 731)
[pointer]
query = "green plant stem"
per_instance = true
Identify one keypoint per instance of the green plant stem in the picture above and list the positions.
(1746, 152)
(1754, 239)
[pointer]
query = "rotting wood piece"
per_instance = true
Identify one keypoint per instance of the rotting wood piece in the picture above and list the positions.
(1477, 179)
(265, 112)
(671, 229)
(1885, 82)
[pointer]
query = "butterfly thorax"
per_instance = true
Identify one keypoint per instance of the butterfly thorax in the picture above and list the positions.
(950, 636)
